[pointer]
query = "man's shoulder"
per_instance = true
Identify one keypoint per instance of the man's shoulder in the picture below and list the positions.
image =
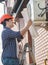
(5, 31)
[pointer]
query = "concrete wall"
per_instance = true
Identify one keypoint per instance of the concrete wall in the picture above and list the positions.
(37, 11)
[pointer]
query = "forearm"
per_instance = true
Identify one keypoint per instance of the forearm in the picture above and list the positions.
(23, 31)
(26, 28)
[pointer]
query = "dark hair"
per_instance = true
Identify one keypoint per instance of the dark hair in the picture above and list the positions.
(4, 22)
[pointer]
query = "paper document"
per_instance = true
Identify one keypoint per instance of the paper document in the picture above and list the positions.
(25, 13)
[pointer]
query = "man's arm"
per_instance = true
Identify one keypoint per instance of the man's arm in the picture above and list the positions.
(12, 34)
(23, 31)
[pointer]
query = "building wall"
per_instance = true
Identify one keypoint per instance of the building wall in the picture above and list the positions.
(41, 46)
(37, 10)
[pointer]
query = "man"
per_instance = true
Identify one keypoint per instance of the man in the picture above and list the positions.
(9, 55)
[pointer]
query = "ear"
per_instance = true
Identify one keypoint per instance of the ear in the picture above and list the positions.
(7, 22)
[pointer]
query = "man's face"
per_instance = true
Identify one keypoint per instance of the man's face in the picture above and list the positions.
(10, 23)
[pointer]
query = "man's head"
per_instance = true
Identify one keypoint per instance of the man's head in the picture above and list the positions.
(7, 20)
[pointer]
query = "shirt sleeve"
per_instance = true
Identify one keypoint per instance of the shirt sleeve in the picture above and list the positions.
(12, 34)
(19, 39)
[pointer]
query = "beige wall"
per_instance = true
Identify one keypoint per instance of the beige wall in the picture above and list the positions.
(41, 46)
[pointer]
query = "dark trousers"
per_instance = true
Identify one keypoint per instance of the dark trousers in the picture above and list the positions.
(10, 61)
